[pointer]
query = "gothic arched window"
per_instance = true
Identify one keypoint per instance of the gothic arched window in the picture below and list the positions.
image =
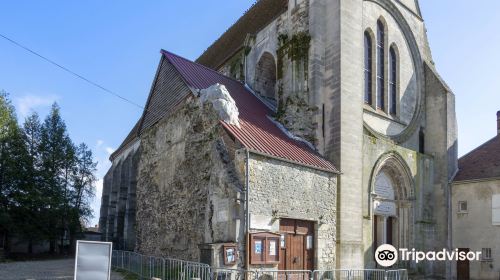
(393, 81)
(380, 65)
(368, 68)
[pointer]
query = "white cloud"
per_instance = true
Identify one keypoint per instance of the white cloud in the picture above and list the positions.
(31, 102)
(109, 150)
(99, 143)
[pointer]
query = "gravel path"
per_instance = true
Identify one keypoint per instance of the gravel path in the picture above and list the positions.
(42, 270)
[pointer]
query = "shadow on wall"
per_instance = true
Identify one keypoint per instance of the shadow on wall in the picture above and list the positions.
(406, 107)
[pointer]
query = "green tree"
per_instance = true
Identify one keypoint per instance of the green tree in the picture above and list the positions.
(13, 156)
(83, 179)
(32, 221)
(57, 155)
(46, 182)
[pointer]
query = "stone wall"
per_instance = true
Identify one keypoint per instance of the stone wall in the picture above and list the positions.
(187, 186)
(117, 215)
(287, 190)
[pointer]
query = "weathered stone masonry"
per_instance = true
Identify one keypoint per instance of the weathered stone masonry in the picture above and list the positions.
(184, 184)
(285, 190)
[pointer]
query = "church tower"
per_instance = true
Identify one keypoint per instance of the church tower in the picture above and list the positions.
(387, 120)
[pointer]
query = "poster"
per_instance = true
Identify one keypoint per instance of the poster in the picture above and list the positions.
(230, 258)
(272, 248)
(258, 246)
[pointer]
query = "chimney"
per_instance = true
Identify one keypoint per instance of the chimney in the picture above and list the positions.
(498, 122)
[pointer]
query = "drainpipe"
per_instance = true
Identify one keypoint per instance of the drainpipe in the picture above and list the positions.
(450, 226)
(247, 211)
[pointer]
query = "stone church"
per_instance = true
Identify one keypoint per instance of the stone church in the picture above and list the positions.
(308, 134)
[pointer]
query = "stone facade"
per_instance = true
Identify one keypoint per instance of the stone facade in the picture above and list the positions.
(118, 201)
(320, 98)
(284, 190)
(188, 188)
(191, 191)
(318, 51)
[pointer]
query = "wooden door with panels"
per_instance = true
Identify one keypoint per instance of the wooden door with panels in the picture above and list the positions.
(297, 245)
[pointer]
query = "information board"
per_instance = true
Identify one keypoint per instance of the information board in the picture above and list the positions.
(93, 260)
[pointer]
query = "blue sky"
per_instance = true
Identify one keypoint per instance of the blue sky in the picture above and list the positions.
(117, 43)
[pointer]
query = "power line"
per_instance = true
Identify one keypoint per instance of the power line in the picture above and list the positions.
(71, 71)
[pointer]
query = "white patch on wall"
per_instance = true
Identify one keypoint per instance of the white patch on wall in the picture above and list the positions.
(222, 216)
(262, 222)
(222, 102)
(221, 208)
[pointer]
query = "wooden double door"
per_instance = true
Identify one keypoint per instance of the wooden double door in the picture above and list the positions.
(297, 245)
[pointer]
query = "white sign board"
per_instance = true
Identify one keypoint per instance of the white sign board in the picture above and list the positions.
(384, 208)
(384, 203)
(93, 260)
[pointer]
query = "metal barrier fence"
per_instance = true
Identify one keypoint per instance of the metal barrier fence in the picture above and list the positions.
(146, 267)
(360, 274)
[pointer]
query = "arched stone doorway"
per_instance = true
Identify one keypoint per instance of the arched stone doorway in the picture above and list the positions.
(392, 202)
(265, 77)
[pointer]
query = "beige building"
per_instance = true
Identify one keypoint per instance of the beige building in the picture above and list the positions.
(476, 210)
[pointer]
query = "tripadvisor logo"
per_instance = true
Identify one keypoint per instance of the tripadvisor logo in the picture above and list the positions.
(387, 255)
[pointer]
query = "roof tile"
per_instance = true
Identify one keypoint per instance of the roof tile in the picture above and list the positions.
(256, 18)
(481, 163)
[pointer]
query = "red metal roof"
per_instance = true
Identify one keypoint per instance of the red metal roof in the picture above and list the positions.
(256, 132)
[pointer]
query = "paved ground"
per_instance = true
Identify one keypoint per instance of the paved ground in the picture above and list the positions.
(42, 270)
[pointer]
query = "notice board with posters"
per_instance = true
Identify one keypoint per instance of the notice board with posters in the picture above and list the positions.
(93, 260)
(264, 248)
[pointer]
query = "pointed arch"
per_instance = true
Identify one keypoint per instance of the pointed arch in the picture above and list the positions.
(265, 76)
(393, 186)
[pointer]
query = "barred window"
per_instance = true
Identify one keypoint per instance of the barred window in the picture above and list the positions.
(486, 254)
